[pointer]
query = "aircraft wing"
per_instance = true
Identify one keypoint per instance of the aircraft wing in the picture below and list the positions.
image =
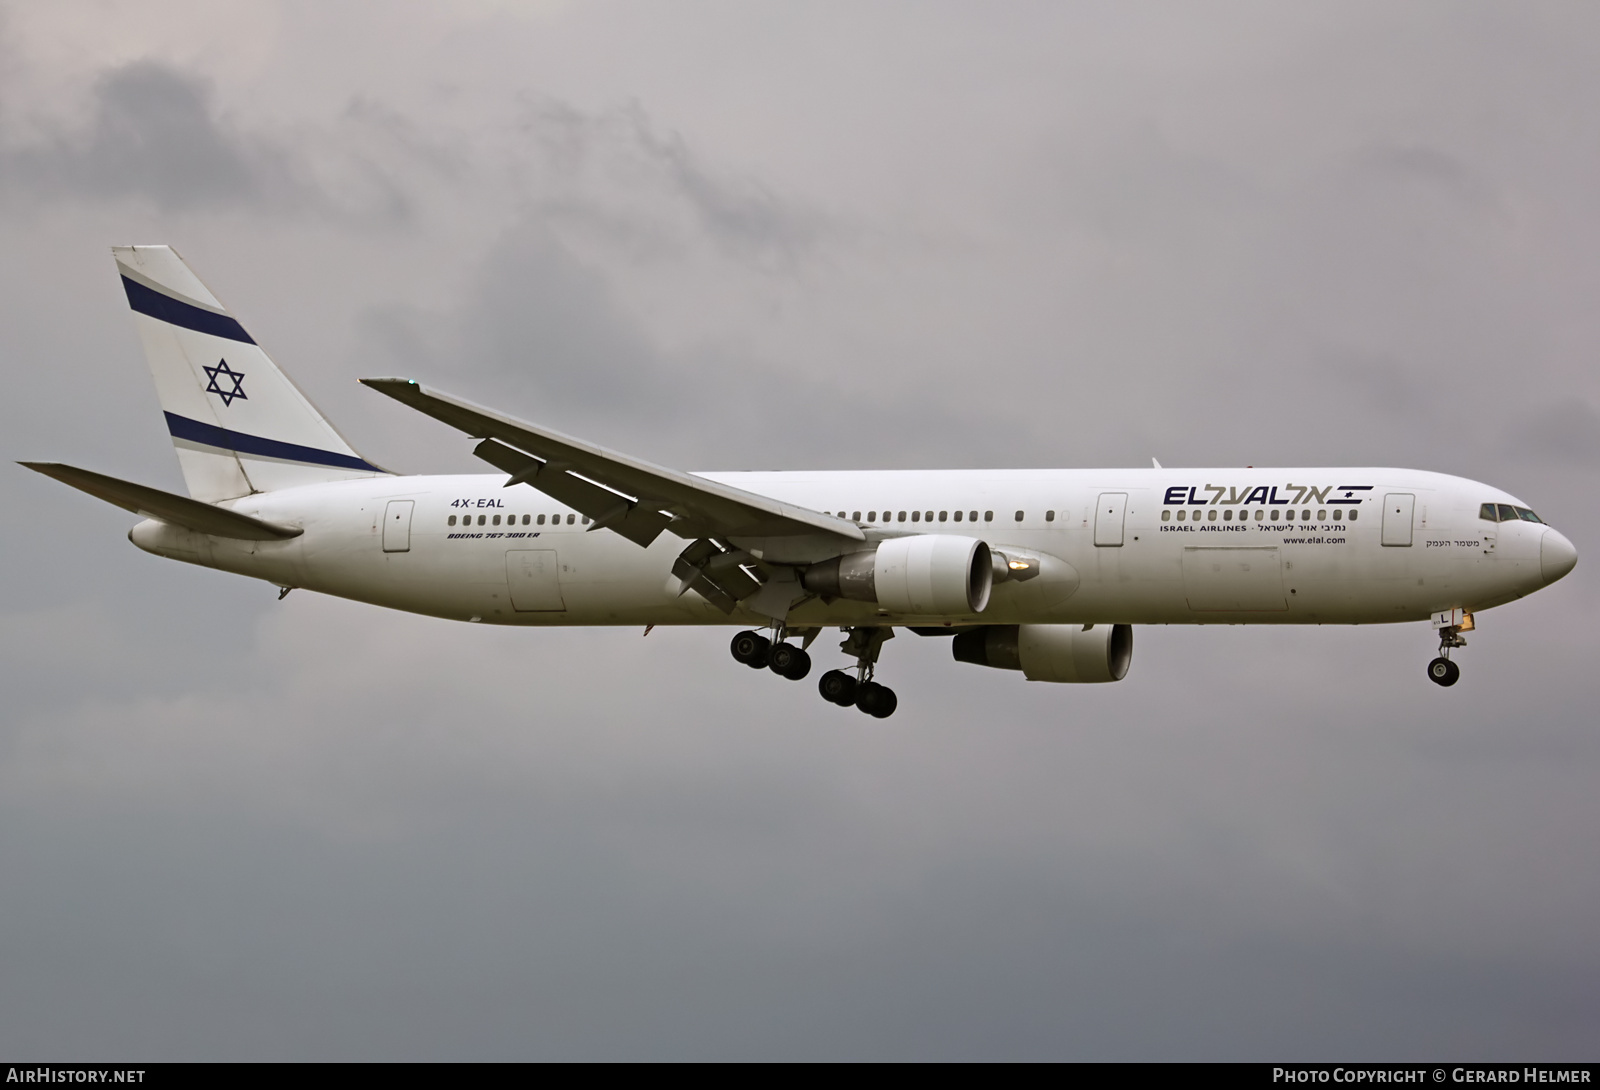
(635, 498)
(176, 510)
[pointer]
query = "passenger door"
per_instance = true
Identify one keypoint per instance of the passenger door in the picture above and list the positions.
(1397, 511)
(1109, 515)
(397, 526)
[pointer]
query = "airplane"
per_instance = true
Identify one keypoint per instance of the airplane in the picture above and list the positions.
(1044, 572)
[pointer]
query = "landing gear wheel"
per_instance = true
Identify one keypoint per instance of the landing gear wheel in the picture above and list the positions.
(751, 649)
(876, 700)
(789, 661)
(1441, 671)
(838, 687)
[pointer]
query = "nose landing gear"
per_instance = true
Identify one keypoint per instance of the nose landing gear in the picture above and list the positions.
(1441, 671)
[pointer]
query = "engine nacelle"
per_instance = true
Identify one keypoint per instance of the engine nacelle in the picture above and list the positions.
(1050, 652)
(925, 574)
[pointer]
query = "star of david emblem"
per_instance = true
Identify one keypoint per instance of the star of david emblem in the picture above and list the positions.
(222, 370)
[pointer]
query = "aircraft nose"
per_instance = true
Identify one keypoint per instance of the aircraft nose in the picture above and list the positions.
(1556, 556)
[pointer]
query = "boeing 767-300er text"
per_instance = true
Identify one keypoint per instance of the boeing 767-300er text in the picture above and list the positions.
(1042, 571)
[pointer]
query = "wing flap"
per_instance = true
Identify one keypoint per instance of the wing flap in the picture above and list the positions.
(634, 519)
(698, 507)
(165, 506)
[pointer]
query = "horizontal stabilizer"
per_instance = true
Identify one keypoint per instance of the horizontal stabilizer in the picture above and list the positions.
(156, 504)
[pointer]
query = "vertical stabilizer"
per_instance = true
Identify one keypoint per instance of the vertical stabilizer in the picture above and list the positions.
(238, 423)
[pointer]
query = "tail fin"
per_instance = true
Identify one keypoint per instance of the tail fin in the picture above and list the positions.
(238, 423)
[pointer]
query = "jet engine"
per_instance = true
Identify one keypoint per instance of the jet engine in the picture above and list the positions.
(925, 574)
(1050, 652)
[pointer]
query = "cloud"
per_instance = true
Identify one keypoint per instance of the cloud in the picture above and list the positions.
(612, 172)
(1433, 169)
(233, 827)
(153, 133)
(1565, 433)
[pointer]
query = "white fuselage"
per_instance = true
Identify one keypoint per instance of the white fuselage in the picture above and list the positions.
(1260, 546)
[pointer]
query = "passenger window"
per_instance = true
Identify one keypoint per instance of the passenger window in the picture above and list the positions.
(1275, 514)
(988, 516)
(916, 516)
(1019, 516)
(928, 517)
(1486, 511)
(1227, 516)
(1305, 516)
(1166, 516)
(495, 521)
(541, 520)
(526, 519)
(1049, 516)
(1507, 512)
(452, 521)
(901, 517)
(972, 516)
(958, 516)
(572, 518)
(1336, 514)
(1181, 514)
(585, 520)
(482, 519)
(855, 516)
(1352, 515)
(1211, 515)
(944, 516)
(872, 516)
(1322, 516)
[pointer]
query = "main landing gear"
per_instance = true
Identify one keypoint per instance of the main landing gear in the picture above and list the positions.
(1441, 671)
(838, 687)
(783, 659)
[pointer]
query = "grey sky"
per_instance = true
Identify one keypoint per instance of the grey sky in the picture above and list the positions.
(738, 236)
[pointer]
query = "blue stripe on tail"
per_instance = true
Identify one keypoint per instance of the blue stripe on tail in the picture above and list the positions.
(175, 311)
(182, 427)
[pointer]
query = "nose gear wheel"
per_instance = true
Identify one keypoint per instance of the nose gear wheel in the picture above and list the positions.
(1441, 671)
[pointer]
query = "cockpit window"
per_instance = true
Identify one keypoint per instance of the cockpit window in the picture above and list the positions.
(1504, 512)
